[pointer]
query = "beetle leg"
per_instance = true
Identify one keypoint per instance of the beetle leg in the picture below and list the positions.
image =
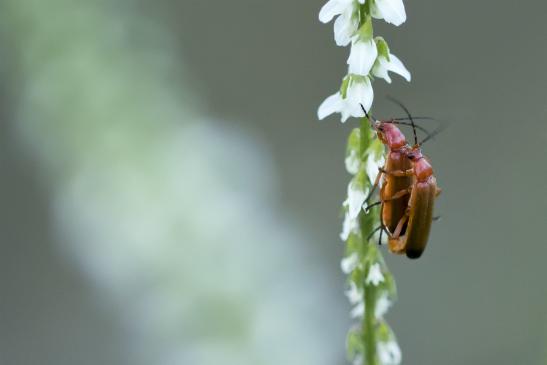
(367, 208)
(376, 183)
(400, 173)
(400, 225)
(398, 194)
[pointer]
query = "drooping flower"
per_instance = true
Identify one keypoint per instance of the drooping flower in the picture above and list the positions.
(347, 22)
(389, 353)
(350, 225)
(359, 91)
(373, 164)
(382, 306)
(358, 311)
(352, 162)
(375, 275)
(354, 294)
(355, 200)
(382, 66)
(392, 11)
(349, 263)
(362, 56)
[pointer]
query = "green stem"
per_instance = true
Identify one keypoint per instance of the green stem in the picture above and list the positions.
(369, 320)
(369, 324)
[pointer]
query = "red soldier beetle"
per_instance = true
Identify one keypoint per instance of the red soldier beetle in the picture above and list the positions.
(418, 216)
(393, 208)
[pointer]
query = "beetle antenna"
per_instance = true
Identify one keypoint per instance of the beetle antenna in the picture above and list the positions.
(417, 118)
(409, 124)
(392, 99)
(432, 134)
(366, 115)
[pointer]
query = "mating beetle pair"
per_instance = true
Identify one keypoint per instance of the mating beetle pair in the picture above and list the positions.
(408, 189)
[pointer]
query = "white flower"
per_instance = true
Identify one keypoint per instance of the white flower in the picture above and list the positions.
(350, 225)
(349, 263)
(346, 24)
(362, 57)
(345, 27)
(352, 162)
(356, 199)
(354, 294)
(382, 306)
(392, 11)
(372, 166)
(359, 92)
(358, 311)
(333, 8)
(375, 275)
(389, 353)
(382, 66)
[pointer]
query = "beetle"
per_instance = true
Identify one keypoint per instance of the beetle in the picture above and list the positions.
(412, 231)
(393, 206)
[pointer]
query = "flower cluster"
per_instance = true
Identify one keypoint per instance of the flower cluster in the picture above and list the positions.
(369, 56)
(371, 287)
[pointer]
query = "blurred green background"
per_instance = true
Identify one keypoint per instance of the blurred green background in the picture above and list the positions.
(168, 196)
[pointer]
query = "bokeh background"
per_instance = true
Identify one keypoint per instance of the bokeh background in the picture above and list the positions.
(168, 196)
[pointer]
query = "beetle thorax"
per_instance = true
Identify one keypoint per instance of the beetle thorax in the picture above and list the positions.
(422, 169)
(394, 137)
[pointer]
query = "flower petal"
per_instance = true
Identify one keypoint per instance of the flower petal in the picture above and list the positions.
(372, 166)
(358, 311)
(354, 294)
(382, 305)
(348, 264)
(344, 27)
(356, 199)
(398, 67)
(380, 69)
(383, 66)
(349, 226)
(389, 353)
(332, 104)
(359, 92)
(375, 275)
(352, 162)
(331, 9)
(392, 11)
(362, 57)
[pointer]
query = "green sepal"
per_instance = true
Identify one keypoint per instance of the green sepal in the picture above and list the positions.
(382, 46)
(344, 86)
(354, 142)
(365, 32)
(355, 344)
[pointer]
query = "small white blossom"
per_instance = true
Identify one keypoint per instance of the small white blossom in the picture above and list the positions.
(354, 294)
(352, 162)
(382, 306)
(349, 263)
(383, 66)
(372, 166)
(392, 11)
(346, 24)
(355, 200)
(358, 360)
(362, 57)
(350, 225)
(375, 275)
(389, 353)
(359, 92)
(358, 311)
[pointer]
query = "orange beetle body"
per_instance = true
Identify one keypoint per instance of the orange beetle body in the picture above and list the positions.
(412, 232)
